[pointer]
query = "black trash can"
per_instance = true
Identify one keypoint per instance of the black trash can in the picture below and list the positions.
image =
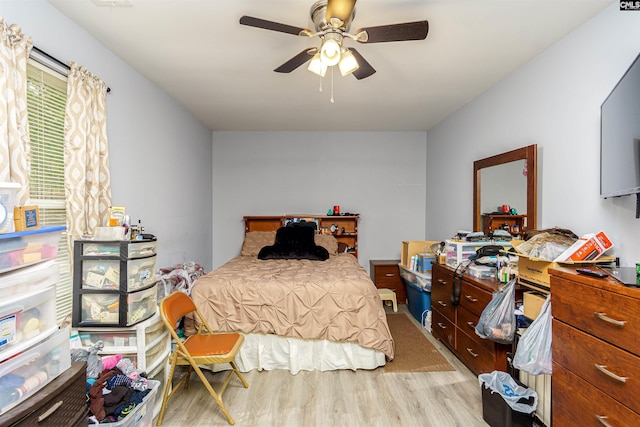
(501, 404)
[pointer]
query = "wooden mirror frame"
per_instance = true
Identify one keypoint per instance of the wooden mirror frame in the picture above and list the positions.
(530, 155)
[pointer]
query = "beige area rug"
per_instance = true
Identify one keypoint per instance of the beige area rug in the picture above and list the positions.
(414, 352)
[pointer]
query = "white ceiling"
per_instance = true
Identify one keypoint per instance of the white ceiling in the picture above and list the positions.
(222, 71)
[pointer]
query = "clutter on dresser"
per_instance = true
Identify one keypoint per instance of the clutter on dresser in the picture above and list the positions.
(550, 248)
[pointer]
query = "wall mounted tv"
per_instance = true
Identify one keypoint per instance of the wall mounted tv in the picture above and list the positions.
(620, 137)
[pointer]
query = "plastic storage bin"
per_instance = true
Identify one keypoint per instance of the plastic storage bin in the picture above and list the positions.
(130, 249)
(29, 247)
(418, 301)
(458, 252)
(142, 415)
(25, 320)
(8, 192)
(115, 309)
(28, 372)
(105, 274)
(29, 279)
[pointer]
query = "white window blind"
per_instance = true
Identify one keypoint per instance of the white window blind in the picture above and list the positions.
(46, 99)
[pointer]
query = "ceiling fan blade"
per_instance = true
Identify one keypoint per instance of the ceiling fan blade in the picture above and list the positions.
(296, 61)
(340, 10)
(395, 32)
(274, 26)
(365, 69)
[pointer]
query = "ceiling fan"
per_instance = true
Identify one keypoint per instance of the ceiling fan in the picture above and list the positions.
(332, 20)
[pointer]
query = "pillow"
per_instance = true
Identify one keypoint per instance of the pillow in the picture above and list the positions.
(328, 242)
(294, 243)
(256, 240)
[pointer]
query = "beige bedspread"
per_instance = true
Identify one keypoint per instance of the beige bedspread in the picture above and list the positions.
(332, 300)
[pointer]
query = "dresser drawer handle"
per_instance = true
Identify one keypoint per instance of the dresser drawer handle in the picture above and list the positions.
(471, 325)
(470, 298)
(443, 304)
(604, 370)
(603, 420)
(603, 316)
(50, 411)
(442, 282)
(471, 352)
(390, 275)
(443, 327)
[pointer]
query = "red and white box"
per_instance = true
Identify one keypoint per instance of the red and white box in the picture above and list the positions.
(587, 248)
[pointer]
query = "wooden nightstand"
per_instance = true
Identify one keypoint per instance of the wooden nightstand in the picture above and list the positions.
(385, 273)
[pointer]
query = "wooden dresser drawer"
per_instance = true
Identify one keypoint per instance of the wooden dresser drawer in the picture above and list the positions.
(610, 316)
(575, 402)
(467, 321)
(61, 403)
(474, 354)
(582, 353)
(443, 329)
(473, 298)
(441, 285)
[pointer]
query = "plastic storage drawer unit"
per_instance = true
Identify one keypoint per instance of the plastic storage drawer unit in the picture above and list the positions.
(26, 373)
(26, 320)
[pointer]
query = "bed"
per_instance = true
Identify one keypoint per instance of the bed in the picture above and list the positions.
(297, 314)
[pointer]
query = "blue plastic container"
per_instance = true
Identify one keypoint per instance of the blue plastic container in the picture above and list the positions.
(418, 301)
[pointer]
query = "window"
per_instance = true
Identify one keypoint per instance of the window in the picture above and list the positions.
(46, 99)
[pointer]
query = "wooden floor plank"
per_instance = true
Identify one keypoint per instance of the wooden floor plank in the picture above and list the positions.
(338, 398)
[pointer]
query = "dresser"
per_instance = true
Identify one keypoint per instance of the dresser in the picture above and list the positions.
(61, 403)
(454, 325)
(596, 351)
(385, 273)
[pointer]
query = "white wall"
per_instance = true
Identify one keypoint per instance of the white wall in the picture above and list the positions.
(381, 176)
(160, 154)
(553, 101)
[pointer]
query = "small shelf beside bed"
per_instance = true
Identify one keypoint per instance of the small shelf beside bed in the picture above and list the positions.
(345, 226)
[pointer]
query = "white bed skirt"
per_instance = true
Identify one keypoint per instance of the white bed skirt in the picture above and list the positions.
(270, 352)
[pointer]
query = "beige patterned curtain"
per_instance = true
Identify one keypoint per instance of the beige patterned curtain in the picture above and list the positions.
(86, 154)
(14, 124)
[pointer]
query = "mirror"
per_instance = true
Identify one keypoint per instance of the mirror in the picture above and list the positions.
(506, 179)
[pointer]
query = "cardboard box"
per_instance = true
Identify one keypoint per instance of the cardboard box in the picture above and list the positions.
(532, 302)
(534, 272)
(26, 218)
(588, 247)
(413, 247)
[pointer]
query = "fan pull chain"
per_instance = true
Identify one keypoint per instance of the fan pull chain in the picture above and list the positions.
(320, 88)
(332, 85)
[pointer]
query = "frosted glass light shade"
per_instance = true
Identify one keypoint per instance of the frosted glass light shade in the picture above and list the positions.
(316, 66)
(348, 63)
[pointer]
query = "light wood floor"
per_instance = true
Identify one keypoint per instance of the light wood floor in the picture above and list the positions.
(337, 398)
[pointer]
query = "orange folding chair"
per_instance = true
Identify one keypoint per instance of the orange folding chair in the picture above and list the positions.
(203, 348)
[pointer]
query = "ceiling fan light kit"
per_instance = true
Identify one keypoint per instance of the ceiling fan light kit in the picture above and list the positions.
(332, 20)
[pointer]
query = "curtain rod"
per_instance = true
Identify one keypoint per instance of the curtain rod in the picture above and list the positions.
(56, 60)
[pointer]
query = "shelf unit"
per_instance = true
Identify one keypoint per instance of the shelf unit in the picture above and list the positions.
(343, 227)
(514, 224)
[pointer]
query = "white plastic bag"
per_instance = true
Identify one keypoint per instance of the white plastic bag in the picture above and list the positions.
(533, 354)
(498, 319)
(515, 395)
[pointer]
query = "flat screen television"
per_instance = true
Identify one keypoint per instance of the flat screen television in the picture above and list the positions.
(620, 136)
